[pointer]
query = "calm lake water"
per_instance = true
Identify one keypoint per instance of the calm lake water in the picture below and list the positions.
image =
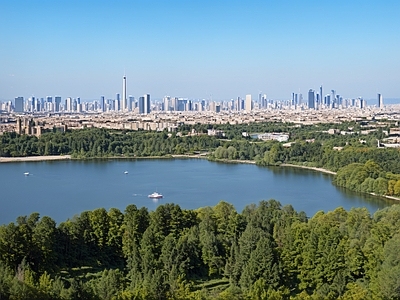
(62, 189)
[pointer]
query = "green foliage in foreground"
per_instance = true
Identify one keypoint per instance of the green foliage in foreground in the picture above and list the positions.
(265, 252)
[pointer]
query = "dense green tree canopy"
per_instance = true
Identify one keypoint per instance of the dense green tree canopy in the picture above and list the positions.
(265, 252)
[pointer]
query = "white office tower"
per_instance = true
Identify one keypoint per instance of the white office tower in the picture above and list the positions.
(69, 104)
(124, 106)
(380, 101)
(175, 103)
(166, 103)
(248, 103)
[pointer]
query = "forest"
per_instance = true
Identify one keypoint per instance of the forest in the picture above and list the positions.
(268, 251)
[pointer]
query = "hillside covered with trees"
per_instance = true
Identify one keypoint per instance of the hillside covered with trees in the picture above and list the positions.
(265, 252)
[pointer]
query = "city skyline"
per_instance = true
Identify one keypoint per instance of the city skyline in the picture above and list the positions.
(123, 104)
(315, 100)
(203, 50)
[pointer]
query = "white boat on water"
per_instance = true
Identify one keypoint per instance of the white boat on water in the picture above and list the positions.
(155, 195)
(26, 173)
(126, 172)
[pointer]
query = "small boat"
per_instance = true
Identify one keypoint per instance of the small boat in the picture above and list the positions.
(26, 173)
(126, 172)
(155, 195)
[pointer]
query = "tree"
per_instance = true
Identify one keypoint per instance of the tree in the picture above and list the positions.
(114, 238)
(263, 263)
(388, 276)
(381, 186)
(44, 237)
(109, 285)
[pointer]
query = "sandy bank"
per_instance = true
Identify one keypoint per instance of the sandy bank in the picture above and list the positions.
(310, 168)
(34, 158)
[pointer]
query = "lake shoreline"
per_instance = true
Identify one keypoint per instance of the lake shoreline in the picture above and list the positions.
(178, 156)
(309, 168)
(34, 158)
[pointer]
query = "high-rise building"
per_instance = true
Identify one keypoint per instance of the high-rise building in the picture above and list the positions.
(380, 101)
(124, 105)
(166, 103)
(328, 100)
(264, 101)
(311, 99)
(131, 103)
(49, 105)
(19, 104)
(202, 105)
(57, 102)
(141, 105)
(147, 104)
(117, 105)
(31, 104)
(102, 104)
(248, 103)
(320, 95)
(238, 104)
(69, 104)
(175, 104)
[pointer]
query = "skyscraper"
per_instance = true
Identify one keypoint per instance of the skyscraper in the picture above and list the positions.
(146, 104)
(68, 104)
(380, 101)
(131, 102)
(19, 104)
(311, 99)
(49, 105)
(141, 105)
(167, 100)
(102, 104)
(57, 102)
(320, 95)
(117, 105)
(249, 103)
(124, 102)
(238, 104)
(333, 98)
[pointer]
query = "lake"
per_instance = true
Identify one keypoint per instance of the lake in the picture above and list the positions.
(62, 189)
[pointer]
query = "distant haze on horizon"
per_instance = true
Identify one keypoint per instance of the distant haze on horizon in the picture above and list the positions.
(199, 49)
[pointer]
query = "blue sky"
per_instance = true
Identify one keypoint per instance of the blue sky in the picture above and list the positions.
(199, 49)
